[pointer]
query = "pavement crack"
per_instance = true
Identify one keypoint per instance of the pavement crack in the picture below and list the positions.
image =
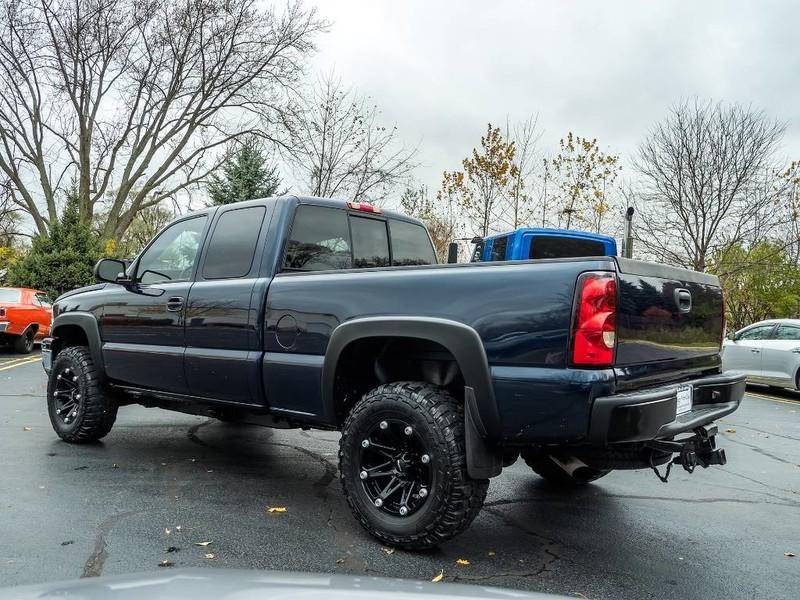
(97, 559)
(761, 451)
(664, 498)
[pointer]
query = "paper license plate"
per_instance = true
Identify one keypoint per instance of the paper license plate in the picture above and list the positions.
(684, 399)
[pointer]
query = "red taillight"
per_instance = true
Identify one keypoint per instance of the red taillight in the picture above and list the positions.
(364, 207)
(594, 334)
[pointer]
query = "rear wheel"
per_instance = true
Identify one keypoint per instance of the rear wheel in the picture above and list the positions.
(565, 473)
(403, 466)
(24, 343)
(79, 410)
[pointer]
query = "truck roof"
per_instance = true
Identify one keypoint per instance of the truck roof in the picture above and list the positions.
(331, 202)
(566, 233)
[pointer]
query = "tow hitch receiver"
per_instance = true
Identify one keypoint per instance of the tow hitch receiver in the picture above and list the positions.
(698, 450)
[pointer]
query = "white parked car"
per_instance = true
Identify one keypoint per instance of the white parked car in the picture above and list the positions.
(768, 352)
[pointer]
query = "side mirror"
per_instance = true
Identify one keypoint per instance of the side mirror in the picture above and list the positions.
(452, 252)
(110, 270)
(731, 335)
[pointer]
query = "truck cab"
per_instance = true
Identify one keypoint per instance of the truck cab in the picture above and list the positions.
(542, 243)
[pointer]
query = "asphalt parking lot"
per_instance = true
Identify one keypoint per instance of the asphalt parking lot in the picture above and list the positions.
(162, 482)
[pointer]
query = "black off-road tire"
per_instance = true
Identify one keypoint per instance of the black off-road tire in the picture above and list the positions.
(96, 411)
(23, 344)
(454, 499)
(546, 468)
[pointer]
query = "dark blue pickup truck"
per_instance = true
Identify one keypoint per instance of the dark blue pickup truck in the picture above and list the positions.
(307, 312)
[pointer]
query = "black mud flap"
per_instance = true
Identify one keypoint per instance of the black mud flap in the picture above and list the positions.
(484, 460)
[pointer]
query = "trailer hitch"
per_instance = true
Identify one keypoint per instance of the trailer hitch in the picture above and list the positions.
(698, 450)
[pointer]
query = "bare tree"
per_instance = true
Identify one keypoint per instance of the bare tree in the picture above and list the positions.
(340, 147)
(130, 99)
(442, 216)
(521, 191)
(708, 182)
(9, 217)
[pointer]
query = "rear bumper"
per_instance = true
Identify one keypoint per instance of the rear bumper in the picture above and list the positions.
(651, 414)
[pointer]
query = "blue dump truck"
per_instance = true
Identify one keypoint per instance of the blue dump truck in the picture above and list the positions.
(542, 243)
(309, 312)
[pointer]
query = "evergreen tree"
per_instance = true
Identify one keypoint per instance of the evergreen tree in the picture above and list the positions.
(64, 259)
(246, 175)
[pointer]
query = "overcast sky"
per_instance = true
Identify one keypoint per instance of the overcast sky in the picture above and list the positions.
(441, 70)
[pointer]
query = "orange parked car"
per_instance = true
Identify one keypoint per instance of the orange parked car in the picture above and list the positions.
(25, 316)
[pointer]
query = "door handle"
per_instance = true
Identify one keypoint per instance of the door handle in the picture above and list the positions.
(796, 350)
(755, 350)
(175, 304)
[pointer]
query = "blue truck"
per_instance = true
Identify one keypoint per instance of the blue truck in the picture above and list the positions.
(318, 313)
(542, 243)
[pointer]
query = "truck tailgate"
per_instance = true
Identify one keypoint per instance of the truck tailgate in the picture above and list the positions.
(669, 319)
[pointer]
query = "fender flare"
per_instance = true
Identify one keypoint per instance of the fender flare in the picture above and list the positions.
(461, 340)
(88, 323)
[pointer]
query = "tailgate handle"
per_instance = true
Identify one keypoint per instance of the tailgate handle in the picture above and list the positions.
(683, 300)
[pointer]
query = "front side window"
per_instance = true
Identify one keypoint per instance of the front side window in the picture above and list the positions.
(370, 243)
(319, 241)
(410, 244)
(756, 333)
(42, 300)
(172, 255)
(233, 243)
(787, 332)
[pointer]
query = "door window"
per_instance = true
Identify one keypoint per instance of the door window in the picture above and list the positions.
(42, 300)
(172, 255)
(370, 243)
(319, 240)
(499, 246)
(410, 244)
(233, 243)
(756, 333)
(787, 332)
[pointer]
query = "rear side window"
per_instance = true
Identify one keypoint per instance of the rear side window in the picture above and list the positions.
(370, 243)
(319, 240)
(499, 246)
(42, 300)
(233, 243)
(787, 332)
(559, 247)
(10, 296)
(410, 244)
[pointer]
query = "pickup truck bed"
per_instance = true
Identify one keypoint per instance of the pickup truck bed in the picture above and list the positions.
(437, 375)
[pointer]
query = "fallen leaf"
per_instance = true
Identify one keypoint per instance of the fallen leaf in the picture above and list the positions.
(173, 549)
(462, 561)
(387, 551)
(68, 542)
(339, 561)
(167, 530)
(26, 429)
(165, 563)
(115, 466)
(492, 552)
(178, 528)
(789, 554)
(730, 430)
(439, 577)
(276, 509)
(210, 556)
(163, 464)
(202, 543)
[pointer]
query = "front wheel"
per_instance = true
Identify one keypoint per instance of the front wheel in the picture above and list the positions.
(564, 472)
(79, 409)
(403, 467)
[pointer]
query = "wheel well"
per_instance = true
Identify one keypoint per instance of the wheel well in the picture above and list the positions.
(368, 362)
(34, 327)
(69, 335)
